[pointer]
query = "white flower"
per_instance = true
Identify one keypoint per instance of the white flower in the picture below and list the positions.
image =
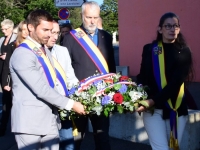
(135, 95)
(84, 95)
(111, 94)
(98, 109)
(98, 100)
(100, 85)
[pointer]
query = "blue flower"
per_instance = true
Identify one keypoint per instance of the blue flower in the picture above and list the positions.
(72, 91)
(123, 89)
(105, 100)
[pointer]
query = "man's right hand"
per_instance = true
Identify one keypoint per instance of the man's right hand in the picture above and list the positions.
(79, 108)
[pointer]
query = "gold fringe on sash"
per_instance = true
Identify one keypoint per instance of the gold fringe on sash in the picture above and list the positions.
(171, 140)
(173, 143)
(75, 130)
(176, 146)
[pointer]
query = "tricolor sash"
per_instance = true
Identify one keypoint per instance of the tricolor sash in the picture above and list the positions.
(52, 74)
(91, 49)
(160, 77)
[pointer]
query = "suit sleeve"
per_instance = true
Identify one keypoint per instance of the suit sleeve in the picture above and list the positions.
(23, 62)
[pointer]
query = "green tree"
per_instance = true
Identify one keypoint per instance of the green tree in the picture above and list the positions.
(75, 17)
(109, 14)
(12, 9)
(47, 5)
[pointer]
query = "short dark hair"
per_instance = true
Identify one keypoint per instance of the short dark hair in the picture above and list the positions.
(67, 25)
(36, 16)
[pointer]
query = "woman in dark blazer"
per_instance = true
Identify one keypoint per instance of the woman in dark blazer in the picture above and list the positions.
(5, 75)
(166, 66)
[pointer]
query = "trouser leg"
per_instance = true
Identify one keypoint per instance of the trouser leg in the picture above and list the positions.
(7, 104)
(100, 126)
(81, 124)
(156, 129)
(182, 120)
(28, 141)
(66, 136)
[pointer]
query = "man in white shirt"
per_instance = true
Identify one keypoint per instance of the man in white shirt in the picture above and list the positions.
(61, 54)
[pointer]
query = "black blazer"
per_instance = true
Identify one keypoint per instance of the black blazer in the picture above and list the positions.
(82, 64)
(5, 74)
(177, 65)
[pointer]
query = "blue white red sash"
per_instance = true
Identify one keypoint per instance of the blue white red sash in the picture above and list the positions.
(52, 74)
(91, 49)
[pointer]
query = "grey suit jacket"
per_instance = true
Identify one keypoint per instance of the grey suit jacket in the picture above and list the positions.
(13, 37)
(34, 101)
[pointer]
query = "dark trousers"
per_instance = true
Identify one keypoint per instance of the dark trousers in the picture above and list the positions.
(7, 104)
(100, 126)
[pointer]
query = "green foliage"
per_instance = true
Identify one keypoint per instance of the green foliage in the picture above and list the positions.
(17, 10)
(75, 17)
(109, 14)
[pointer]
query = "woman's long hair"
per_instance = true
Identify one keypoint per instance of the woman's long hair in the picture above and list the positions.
(179, 43)
(19, 38)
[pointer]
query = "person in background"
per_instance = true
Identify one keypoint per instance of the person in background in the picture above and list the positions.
(15, 29)
(61, 54)
(6, 49)
(34, 114)
(85, 65)
(165, 68)
(66, 28)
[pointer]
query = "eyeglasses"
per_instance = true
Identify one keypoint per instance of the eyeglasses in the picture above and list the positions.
(169, 26)
(55, 33)
(5, 29)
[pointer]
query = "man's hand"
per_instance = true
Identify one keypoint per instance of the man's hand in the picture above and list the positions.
(7, 88)
(143, 108)
(79, 108)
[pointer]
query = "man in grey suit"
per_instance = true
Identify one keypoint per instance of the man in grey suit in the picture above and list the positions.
(34, 116)
(61, 54)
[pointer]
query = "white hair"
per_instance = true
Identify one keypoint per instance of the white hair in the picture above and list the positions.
(93, 4)
(7, 22)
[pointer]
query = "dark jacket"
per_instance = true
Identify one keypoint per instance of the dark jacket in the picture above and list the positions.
(177, 65)
(82, 64)
(5, 74)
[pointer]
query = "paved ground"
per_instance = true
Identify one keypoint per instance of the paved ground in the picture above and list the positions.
(7, 142)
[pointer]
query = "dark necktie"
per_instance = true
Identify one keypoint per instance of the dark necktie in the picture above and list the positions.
(42, 48)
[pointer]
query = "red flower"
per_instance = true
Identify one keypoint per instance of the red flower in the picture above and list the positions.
(123, 78)
(118, 98)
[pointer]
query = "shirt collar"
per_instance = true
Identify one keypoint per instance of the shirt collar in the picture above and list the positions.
(36, 43)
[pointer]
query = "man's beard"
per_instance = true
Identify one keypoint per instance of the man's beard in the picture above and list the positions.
(91, 29)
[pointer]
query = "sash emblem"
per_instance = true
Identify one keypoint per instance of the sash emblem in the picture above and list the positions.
(79, 34)
(157, 50)
(37, 51)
